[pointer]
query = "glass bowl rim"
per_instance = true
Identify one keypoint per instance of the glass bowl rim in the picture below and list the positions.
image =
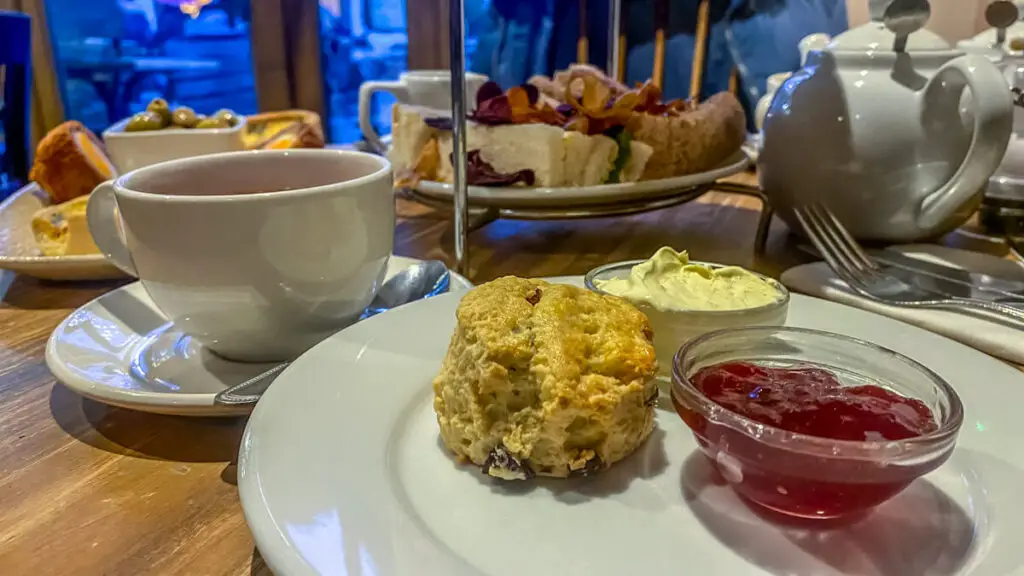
(817, 445)
(780, 303)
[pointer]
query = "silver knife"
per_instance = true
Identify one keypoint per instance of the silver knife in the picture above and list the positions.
(950, 280)
(944, 279)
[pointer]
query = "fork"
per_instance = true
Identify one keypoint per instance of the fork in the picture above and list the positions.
(851, 263)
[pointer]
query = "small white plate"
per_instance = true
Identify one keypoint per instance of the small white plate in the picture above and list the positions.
(520, 197)
(19, 252)
(120, 349)
(341, 472)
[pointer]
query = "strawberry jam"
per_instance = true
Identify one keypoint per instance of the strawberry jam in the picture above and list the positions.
(812, 401)
(802, 478)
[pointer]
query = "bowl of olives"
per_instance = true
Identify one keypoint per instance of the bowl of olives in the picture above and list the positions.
(162, 132)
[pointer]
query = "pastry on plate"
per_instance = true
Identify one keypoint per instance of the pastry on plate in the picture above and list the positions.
(63, 230)
(70, 162)
(284, 129)
(579, 128)
(545, 379)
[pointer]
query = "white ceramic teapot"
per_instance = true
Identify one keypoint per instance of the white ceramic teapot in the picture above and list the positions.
(881, 138)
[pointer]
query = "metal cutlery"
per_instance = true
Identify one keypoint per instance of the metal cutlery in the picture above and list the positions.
(863, 274)
(422, 280)
(948, 279)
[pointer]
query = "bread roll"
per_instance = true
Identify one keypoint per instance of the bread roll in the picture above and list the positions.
(70, 162)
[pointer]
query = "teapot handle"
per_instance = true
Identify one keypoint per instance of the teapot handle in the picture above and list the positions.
(993, 122)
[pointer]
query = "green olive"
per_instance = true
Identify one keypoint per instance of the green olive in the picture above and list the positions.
(144, 122)
(160, 106)
(212, 122)
(228, 115)
(184, 117)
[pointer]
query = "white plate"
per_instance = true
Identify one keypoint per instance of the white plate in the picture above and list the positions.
(19, 252)
(120, 349)
(341, 472)
(520, 197)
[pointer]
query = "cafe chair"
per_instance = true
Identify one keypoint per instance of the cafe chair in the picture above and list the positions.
(15, 87)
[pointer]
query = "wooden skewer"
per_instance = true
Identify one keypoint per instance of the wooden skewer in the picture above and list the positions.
(582, 47)
(700, 48)
(660, 20)
(734, 82)
(620, 56)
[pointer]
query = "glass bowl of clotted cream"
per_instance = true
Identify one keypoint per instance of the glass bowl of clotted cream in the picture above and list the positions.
(684, 299)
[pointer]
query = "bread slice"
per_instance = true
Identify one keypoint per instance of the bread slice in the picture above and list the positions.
(409, 134)
(588, 159)
(601, 160)
(639, 155)
(511, 148)
(655, 131)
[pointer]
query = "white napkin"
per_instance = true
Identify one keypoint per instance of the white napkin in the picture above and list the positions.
(999, 340)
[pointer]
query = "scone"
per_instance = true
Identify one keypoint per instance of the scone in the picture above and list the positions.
(545, 379)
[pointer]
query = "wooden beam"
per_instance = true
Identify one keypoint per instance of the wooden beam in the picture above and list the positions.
(270, 56)
(700, 49)
(661, 16)
(427, 25)
(582, 45)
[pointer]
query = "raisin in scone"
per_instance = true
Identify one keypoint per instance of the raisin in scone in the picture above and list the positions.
(545, 379)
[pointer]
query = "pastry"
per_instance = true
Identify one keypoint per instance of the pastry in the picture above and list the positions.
(285, 129)
(545, 379)
(70, 162)
(63, 230)
(695, 140)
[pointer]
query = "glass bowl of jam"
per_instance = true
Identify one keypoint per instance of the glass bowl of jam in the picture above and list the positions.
(811, 424)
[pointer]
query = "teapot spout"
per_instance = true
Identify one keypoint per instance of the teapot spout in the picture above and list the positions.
(993, 123)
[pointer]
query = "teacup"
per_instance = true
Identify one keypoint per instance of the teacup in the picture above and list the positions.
(423, 88)
(257, 255)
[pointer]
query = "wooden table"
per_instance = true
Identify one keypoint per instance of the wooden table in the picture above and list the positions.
(87, 489)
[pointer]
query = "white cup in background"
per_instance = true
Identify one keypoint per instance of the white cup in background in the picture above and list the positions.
(257, 255)
(424, 88)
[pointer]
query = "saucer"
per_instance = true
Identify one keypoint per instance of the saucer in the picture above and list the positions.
(121, 350)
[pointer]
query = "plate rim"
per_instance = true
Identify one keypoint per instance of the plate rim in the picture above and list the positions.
(32, 188)
(276, 549)
(548, 197)
(181, 404)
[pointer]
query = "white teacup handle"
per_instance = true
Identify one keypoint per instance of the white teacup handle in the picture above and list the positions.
(101, 214)
(366, 91)
(993, 122)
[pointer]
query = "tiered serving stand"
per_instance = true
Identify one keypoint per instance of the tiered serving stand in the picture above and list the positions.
(470, 216)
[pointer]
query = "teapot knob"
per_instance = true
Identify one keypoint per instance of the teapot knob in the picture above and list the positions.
(903, 18)
(1000, 15)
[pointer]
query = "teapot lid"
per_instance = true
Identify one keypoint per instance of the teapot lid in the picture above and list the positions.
(874, 36)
